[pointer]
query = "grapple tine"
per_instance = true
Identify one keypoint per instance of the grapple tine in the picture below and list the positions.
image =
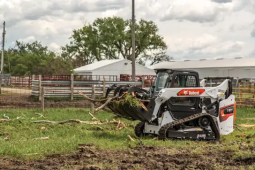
(109, 89)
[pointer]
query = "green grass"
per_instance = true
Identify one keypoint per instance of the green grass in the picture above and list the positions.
(16, 136)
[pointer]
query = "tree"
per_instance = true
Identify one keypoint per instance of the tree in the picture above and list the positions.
(159, 57)
(110, 38)
(33, 58)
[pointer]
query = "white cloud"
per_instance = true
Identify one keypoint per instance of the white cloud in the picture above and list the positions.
(203, 47)
(222, 1)
(196, 10)
(27, 39)
(198, 35)
(204, 10)
(54, 47)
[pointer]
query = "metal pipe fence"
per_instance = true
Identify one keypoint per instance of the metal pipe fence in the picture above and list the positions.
(64, 92)
(71, 87)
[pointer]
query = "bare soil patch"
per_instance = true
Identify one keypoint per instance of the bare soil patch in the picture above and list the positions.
(26, 101)
(141, 157)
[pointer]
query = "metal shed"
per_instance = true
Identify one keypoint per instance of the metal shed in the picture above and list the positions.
(112, 68)
(236, 67)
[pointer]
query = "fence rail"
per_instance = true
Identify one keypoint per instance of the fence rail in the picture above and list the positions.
(245, 95)
(71, 88)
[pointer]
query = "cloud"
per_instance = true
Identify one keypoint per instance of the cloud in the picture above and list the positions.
(240, 26)
(17, 10)
(54, 47)
(253, 33)
(222, 1)
(252, 54)
(203, 11)
(52, 22)
(27, 39)
(195, 11)
(203, 47)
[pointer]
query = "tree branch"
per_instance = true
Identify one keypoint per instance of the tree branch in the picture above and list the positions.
(91, 100)
(105, 104)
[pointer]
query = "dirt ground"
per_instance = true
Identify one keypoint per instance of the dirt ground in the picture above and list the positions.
(16, 91)
(89, 157)
(26, 101)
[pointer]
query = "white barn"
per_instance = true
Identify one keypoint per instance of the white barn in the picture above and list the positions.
(113, 68)
(237, 67)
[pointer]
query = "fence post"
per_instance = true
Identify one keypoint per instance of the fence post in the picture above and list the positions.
(254, 95)
(104, 91)
(42, 99)
(240, 95)
(143, 81)
(92, 107)
(40, 87)
(0, 83)
(72, 86)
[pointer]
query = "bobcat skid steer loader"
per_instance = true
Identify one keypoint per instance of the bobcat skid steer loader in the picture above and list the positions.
(181, 107)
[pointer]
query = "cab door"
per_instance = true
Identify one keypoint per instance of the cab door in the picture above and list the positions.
(181, 107)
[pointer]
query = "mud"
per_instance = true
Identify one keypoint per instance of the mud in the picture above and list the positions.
(24, 101)
(141, 157)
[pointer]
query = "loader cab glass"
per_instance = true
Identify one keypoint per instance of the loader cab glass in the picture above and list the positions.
(161, 80)
(184, 81)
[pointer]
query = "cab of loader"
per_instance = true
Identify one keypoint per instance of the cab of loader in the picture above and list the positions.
(175, 79)
(179, 107)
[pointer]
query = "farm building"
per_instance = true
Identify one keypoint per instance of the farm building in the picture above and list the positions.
(237, 67)
(112, 70)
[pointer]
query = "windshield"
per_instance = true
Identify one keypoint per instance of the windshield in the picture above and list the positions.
(161, 80)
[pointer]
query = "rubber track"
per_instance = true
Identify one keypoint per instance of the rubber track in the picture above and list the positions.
(138, 128)
(163, 129)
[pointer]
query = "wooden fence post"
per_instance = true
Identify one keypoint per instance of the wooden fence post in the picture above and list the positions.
(72, 86)
(0, 83)
(92, 106)
(240, 95)
(104, 89)
(40, 87)
(42, 99)
(254, 95)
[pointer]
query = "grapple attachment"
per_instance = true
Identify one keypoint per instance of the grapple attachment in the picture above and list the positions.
(142, 112)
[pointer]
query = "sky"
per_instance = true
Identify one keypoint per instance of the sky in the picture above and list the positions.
(192, 29)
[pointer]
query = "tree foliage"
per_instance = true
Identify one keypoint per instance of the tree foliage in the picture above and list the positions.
(110, 38)
(34, 58)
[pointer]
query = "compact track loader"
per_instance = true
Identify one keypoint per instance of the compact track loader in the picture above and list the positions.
(178, 106)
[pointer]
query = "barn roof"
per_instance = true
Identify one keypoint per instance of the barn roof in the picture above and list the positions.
(96, 65)
(203, 63)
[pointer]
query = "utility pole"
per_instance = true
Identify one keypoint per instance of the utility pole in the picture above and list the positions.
(133, 40)
(2, 58)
